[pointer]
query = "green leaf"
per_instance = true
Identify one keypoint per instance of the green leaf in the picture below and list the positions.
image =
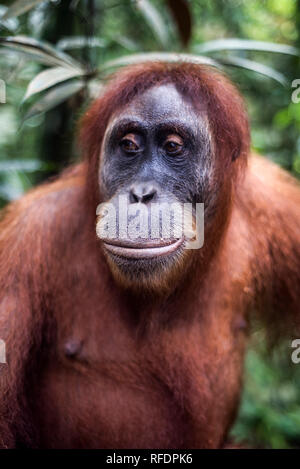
(48, 78)
(125, 42)
(157, 57)
(11, 24)
(15, 185)
(39, 50)
(255, 67)
(245, 44)
(19, 7)
(74, 4)
(95, 88)
(54, 97)
(79, 42)
(21, 165)
(154, 20)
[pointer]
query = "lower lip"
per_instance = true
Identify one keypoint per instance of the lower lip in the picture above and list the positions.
(141, 252)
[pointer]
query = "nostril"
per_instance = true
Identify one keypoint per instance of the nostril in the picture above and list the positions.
(134, 198)
(142, 193)
(149, 196)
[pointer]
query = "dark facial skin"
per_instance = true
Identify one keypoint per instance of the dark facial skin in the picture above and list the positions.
(151, 121)
(156, 149)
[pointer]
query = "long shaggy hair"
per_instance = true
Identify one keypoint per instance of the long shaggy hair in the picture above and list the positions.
(125, 385)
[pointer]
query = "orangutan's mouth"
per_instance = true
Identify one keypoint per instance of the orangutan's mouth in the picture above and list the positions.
(144, 249)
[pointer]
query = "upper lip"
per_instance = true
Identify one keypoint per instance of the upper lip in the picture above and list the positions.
(143, 248)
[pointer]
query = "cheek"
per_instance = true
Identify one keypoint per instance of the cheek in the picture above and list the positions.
(104, 179)
(115, 173)
(187, 185)
(110, 179)
(195, 180)
(207, 179)
(108, 175)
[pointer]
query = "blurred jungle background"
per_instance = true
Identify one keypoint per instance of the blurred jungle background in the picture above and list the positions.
(55, 56)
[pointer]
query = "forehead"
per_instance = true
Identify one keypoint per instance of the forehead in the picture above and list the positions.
(159, 104)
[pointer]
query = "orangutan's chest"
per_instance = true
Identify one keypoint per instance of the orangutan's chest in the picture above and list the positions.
(175, 391)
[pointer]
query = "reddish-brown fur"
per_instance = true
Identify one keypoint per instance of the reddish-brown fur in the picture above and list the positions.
(92, 365)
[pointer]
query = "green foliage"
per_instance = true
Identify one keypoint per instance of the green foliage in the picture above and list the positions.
(67, 67)
(270, 411)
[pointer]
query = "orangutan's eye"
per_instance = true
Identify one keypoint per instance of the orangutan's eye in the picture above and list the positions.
(173, 145)
(129, 144)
